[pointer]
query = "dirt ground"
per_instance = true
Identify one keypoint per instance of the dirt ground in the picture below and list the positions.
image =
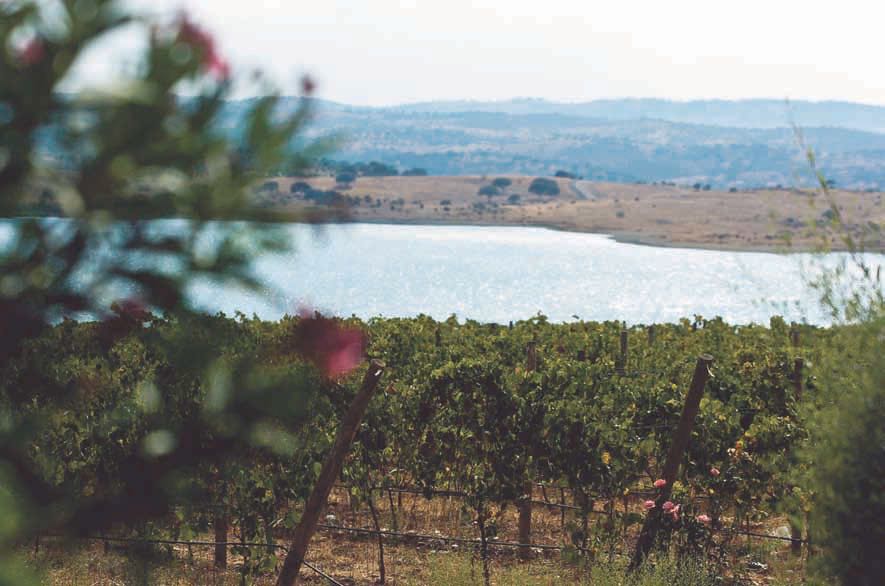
(661, 215)
(419, 558)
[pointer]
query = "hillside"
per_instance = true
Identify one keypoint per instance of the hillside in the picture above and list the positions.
(648, 214)
(746, 144)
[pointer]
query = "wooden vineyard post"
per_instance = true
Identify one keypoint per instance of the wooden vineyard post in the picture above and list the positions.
(330, 471)
(219, 523)
(674, 458)
(798, 366)
(651, 335)
(525, 503)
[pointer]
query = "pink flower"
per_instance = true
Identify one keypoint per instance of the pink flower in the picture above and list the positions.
(308, 85)
(660, 483)
(704, 519)
(132, 308)
(668, 506)
(218, 68)
(211, 61)
(649, 505)
(33, 52)
(714, 471)
(333, 348)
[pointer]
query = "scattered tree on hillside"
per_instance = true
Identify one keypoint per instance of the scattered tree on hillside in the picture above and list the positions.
(345, 177)
(299, 187)
(489, 191)
(502, 182)
(565, 174)
(415, 172)
(377, 169)
(544, 186)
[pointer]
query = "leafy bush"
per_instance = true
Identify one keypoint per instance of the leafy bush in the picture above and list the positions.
(544, 186)
(846, 460)
(300, 187)
(345, 177)
(377, 169)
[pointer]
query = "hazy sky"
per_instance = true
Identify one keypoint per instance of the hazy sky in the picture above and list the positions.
(377, 52)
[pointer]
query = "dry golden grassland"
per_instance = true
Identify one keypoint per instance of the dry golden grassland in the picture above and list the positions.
(661, 215)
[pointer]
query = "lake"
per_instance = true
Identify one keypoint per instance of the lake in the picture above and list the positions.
(498, 274)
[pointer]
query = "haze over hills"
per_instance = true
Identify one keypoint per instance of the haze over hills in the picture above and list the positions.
(757, 113)
(726, 144)
(741, 144)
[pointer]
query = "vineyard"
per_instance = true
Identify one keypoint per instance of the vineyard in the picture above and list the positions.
(537, 439)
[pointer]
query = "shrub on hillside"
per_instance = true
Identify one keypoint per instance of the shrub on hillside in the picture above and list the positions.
(345, 177)
(378, 169)
(544, 186)
(299, 187)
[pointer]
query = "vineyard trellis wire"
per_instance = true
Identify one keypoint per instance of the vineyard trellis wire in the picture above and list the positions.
(401, 535)
(198, 543)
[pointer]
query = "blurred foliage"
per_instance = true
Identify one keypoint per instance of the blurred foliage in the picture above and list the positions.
(101, 435)
(841, 470)
(844, 462)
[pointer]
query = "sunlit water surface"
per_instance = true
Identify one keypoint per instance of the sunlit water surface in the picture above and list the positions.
(498, 274)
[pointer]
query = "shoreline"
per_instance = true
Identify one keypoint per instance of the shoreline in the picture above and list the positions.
(620, 236)
(771, 221)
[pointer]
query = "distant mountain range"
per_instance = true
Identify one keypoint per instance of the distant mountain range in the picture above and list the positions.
(744, 144)
(738, 114)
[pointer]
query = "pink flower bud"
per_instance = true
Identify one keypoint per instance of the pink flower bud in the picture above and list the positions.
(210, 60)
(660, 483)
(714, 471)
(704, 519)
(308, 85)
(33, 52)
(668, 506)
(649, 505)
(334, 348)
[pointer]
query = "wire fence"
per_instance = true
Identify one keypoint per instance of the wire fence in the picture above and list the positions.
(415, 538)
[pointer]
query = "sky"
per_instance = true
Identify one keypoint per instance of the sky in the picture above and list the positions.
(384, 52)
